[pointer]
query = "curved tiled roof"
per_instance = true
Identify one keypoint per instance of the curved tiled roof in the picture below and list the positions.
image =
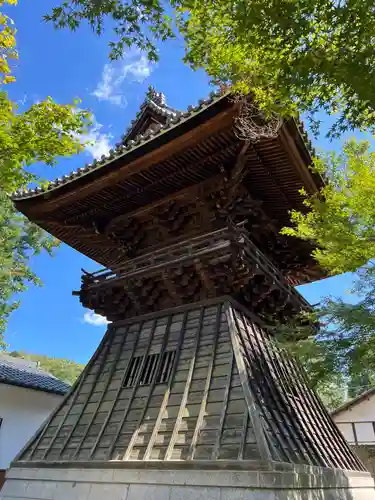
(174, 119)
(25, 373)
(124, 147)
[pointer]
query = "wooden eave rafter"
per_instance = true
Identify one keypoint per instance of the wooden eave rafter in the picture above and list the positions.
(190, 192)
(183, 136)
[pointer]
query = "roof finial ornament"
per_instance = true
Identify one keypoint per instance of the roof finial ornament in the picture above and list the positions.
(156, 97)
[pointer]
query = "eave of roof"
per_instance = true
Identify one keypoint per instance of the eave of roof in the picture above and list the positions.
(13, 372)
(57, 392)
(125, 147)
(353, 402)
(121, 149)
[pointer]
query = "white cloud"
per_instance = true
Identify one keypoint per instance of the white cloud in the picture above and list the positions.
(98, 143)
(23, 101)
(94, 319)
(134, 67)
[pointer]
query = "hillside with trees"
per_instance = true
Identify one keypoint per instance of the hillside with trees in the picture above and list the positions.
(62, 368)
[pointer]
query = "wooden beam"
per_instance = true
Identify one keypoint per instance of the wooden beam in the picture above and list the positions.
(168, 390)
(107, 382)
(106, 349)
(185, 395)
(254, 415)
(143, 412)
(191, 192)
(133, 392)
(296, 160)
(119, 389)
(202, 409)
(271, 175)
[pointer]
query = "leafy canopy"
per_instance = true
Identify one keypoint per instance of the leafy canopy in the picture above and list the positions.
(8, 49)
(341, 223)
(41, 134)
(137, 23)
(290, 54)
(19, 240)
(341, 218)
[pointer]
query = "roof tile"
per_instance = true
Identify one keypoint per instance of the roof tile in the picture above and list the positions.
(25, 373)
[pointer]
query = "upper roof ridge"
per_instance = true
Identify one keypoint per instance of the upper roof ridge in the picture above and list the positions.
(156, 97)
(157, 103)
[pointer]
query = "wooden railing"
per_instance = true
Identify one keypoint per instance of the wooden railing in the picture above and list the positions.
(157, 260)
(219, 243)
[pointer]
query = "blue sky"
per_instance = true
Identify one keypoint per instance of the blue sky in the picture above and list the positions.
(64, 65)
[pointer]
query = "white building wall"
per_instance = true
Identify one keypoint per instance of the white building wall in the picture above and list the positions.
(357, 423)
(23, 411)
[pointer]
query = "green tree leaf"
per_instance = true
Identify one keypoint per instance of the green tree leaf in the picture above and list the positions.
(291, 55)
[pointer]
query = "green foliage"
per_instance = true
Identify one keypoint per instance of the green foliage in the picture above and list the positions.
(42, 134)
(291, 55)
(8, 49)
(136, 23)
(360, 384)
(333, 392)
(63, 369)
(341, 219)
(341, 223)
(19, 240)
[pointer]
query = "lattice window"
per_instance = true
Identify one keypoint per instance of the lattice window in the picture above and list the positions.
(144, 370)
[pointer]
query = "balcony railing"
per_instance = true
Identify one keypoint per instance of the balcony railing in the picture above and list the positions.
(219, 244)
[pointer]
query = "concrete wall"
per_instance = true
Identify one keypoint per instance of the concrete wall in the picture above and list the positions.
(23, 411)
(298, 483)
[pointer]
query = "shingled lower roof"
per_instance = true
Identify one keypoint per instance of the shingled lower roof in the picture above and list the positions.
(25, 373)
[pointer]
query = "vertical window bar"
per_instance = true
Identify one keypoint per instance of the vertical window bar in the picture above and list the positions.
(131, 370)
(150, 371)
(154, 368)
(170, 364)
(146, 369)
(115, 400)
(131, 398)
(137, 368)
(162, 377)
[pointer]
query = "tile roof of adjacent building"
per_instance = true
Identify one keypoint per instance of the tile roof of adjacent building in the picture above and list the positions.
(156, 101)
(353, 402)
(25, 373)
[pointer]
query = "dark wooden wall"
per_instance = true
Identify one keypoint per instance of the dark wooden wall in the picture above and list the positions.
(200, 414)
(232, 394)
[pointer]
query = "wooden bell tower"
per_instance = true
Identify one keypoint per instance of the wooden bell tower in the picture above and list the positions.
(186, 219)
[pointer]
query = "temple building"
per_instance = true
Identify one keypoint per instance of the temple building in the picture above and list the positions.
(188, 396)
